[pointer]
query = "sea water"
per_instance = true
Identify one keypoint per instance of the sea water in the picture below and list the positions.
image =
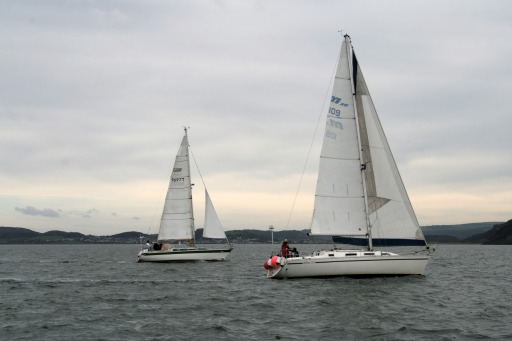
(100, 292)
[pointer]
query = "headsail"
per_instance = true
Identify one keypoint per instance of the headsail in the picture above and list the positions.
(212, 226)
(390, 213)
(177, 221)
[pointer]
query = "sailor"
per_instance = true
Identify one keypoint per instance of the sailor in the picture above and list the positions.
(285, 248)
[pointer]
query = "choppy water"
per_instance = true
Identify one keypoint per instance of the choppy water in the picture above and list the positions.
(99, 292)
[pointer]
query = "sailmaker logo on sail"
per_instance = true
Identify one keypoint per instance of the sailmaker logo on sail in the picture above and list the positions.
(334, 111)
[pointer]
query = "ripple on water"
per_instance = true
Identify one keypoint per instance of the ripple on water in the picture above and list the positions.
(95, 293)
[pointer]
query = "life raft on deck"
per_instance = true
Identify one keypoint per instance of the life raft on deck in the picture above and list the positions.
(274, 262)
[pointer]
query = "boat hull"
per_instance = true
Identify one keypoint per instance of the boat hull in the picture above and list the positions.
(184, 255)
(330, 263)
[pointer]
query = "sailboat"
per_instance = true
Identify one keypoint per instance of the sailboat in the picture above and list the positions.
(360, 198)
(177, 222)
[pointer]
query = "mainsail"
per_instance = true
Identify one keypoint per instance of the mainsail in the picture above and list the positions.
(339, 197)
(359, 191)
(177, 221)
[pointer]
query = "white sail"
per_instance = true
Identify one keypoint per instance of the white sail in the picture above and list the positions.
(360, 198)
(212, 225)
(339, 200)
(391, 215)
(359, 189)
(177, 221)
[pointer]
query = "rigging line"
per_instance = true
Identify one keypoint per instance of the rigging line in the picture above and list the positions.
(320, 115)
(197, 166)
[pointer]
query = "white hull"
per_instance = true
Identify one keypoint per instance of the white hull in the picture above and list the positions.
(184, 255)
(350, 263)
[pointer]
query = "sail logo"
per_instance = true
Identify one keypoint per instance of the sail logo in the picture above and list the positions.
(335, 124)
(337, 100)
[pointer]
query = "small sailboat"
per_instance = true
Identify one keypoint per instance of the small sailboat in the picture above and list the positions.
(360, 198)
(177, 222)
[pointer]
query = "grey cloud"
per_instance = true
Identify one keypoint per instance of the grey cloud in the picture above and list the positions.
(252, 96)
(90, 213)
(30, 210)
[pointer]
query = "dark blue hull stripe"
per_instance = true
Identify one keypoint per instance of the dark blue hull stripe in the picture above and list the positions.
(185, 252)
(384, 259)
(379, 242)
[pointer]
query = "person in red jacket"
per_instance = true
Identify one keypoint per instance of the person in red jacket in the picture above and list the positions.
(285, 249)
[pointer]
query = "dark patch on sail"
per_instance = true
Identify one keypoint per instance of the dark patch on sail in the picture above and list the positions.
(355, 66)
(378, 242)
(374, 202)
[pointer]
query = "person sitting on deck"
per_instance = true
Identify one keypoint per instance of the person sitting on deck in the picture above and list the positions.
(156, 246)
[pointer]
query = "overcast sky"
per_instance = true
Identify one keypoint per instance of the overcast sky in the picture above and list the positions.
(94, 96)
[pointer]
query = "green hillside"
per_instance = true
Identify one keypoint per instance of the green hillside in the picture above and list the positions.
(461, 231)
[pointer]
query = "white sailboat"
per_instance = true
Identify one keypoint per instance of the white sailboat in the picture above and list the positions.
(360, 198)
(177, 222)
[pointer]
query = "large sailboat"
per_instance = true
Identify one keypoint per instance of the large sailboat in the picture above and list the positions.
(360, 198)
(177, 222)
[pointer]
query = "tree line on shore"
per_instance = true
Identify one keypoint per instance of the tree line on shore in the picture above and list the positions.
(489, 233)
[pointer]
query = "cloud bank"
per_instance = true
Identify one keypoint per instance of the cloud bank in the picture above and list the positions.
(47, 212)
(94, 97)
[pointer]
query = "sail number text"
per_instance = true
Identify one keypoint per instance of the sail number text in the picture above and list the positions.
(177, 179)
(334, 111)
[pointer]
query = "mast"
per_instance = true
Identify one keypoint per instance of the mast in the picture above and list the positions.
(352, 67)
(192, 241)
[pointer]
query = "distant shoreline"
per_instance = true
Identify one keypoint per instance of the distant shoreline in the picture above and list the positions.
(473, 233)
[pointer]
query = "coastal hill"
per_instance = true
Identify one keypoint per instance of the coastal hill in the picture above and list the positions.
(456, 233)
(460, 231)
(489, 233)
(19, 235)
(500, 234)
